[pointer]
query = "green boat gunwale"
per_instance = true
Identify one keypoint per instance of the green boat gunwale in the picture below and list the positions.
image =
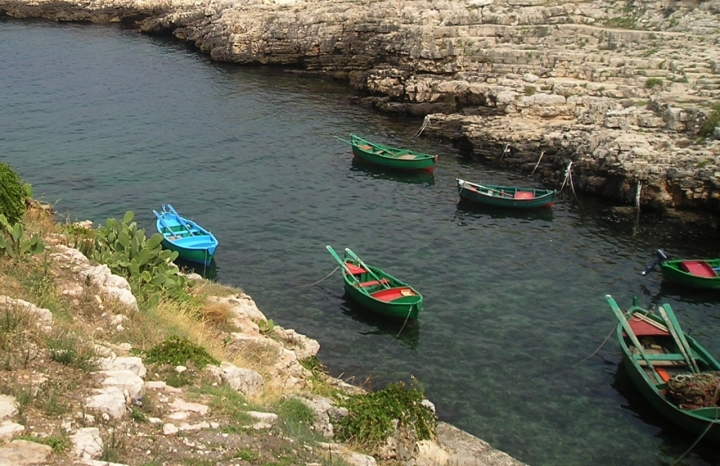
(376, 290)
(391, 157)
(702, 421)
(505, 196)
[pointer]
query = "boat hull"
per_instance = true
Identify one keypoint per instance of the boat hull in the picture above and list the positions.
(192, 242)
(697, 273)
(694, 421)
(386, 156)
(202, 256)
(505, 196)
(398, 300)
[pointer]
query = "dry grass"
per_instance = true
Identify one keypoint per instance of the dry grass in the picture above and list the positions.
(51, 373)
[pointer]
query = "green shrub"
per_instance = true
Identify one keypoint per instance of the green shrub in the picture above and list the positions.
(652, 82)
(15, 243)
(370, 419)
(178, 351)
(712, 121)
(12, 194)
(125, 249)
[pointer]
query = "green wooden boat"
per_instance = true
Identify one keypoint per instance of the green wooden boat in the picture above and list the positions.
(505, 196)
(693, 273)
(390, 157)
(670, 368)
(377, 290)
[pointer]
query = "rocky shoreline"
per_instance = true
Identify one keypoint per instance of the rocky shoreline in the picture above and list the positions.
(100, 412)
(621, 97)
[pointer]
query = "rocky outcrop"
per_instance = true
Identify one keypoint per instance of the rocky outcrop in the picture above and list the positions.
(617, 91)
(103, 404)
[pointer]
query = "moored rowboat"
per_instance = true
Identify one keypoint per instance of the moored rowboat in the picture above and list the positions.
(377, 290)
(191, 241)
(390, 157)
(676, 375)
(505, 196)
(693, 273)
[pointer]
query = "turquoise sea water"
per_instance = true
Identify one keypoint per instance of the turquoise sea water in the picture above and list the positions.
(102, 121)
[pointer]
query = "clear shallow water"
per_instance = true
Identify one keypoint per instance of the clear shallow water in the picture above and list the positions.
(102, 121)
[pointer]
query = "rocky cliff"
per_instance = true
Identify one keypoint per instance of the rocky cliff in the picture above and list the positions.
(621, 98)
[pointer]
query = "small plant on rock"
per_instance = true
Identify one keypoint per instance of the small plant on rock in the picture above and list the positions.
(371, 419)
(713, 120)
(12, 194)
(651, 83)
(15, 242)
(178, 351)
(123, 247)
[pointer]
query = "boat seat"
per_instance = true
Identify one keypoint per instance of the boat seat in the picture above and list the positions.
(660, 359)
(643, 329)
(355, 269)
(373, 282)
(524, 195)
(698, 268)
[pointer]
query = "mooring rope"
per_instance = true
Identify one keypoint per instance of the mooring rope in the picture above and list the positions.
(321, 280)
(538, 162)
(588, 357)
(505, 151)
(425, 124)
(568, 178)
(710, 424)
(394, 339)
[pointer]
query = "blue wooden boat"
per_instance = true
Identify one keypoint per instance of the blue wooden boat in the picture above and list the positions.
(191, 241)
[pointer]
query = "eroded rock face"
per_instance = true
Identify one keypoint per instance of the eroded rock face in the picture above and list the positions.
(555, 82)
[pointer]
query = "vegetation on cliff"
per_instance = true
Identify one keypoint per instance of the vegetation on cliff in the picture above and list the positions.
(50, 365)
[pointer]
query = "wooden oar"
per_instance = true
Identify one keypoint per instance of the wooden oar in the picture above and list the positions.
(661, 258)
(647, 319)
(180, 220)
(162, 222)
(363, 265)
(343, 264)
(343, 140)
(674, 327)
(628, 331)
(491, 190)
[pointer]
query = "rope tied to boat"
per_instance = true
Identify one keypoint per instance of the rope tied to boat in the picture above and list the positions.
(569, 180)
(322, 279)
(425, 124)
(538, 162)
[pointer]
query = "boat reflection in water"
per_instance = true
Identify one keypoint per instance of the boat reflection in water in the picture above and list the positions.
(406, 332)
(208, 272)
(468, 209)
(380, 173)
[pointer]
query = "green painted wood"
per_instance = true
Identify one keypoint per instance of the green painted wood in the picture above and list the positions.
(505, 196)
(390, 157)
(370, 287)
(671, 270)
(695, 421)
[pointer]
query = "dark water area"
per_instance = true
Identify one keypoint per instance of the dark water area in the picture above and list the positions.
(512, 344)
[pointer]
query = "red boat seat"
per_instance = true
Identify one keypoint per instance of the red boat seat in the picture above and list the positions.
(355, 269)
(391, 294)
(524, 195)
(643, 329)
(374, 282)
(698, 268)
